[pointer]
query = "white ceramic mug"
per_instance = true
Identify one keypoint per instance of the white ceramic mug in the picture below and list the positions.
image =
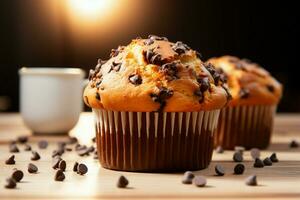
(51, 98)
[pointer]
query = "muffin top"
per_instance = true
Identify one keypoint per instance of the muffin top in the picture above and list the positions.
(155, 75)
(248, 82)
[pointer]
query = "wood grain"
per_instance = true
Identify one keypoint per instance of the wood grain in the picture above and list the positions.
(282, 180)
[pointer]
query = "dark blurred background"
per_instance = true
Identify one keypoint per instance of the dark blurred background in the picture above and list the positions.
(75, 33)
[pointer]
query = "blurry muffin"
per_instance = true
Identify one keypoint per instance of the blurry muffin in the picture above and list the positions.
(156, 106)
(248, 119)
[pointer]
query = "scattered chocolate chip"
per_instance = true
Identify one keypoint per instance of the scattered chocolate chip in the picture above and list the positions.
(43, 144)
(188, 177)
(255, 153)
(122, 182)
(251, 180)
(68, 149)
(35, 155)
(273, 157)
(219, 169)
(237, 157)
(199, 181)
(239, 149)
(27, 147)
(59, 175)
(56, 153)
(72, 140)
(135, 79)
(91, 149)
(22, 139)
(258, 163)
(55, 162)
(244, 93)
(32, 168)
(271, 88)
(10, 183)
(180, 48)
(83, 152)
(82, 169)
(94, 139)
(267, 161)
(294, 144)
(17, 175)
(75, 167)
(13, 148)
(239, 169)
(62, 165)
(10, 160)
(219, 149)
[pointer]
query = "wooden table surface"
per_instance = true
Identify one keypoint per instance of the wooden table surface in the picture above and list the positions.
(282, 180)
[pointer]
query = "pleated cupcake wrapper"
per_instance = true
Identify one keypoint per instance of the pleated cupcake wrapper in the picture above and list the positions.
(247, 126)
(151, 141)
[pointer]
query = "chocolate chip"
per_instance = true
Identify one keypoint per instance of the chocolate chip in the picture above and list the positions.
(199, 94)
(219, 169)
(35, 155)
(271, 88)
(204, 83)
(59, 175)
(237, 157)
(214, 73)
(56, 153)
(115, 66)
(188, 177)
(115, 52)
(122, 182)
(43, 144)
(244, 93)
(10, 160)
(22, 139)
(56, 162)
(155, 37)
(294, 144)
(135, 79)
(82, 169)
(239, 149)
(251, 180)
(219, 149)
(152, 58)
(10, 183)
(72, 140)
(68, 149)
(83, 152)
(32, 168)
(75, 167)
(199, 181)
(273, 157)
(258, 163)
(198, 54)
(239, 169)
(148, 42)
(91, 74)
(27, 147)
(267, 161)
(255, 153)
(13, 148)
(91, 149)
(17, 175)
(170, 70)
(180, 48)
(98, 96)
(94, 139)
(162, 96)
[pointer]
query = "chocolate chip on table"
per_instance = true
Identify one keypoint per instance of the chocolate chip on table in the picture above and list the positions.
(22, 139)
(27, 147)
(188, 177)
(43, 144)
(13, 148)
(62, 165)
(219, 169)
(239, 169)
(75, 167)
(68, 149)
(17, 175)
(274, 158)
(267, 161)
(219, 149)
(258, 163)
(199, 181)
(251, 180)
(10, 183)
(255, 153)
(244, 93)
(59, 175)
(237, 157)
(72, 140)
(35, 156)
(240, 149)
(55, 162)
(10, 160)
(122, 182)
(294, 144)
(32, 168)
(83, 152)
(56, 153)
(82, 169)
(135, 79)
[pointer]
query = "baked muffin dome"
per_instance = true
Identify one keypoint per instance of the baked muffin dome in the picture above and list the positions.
(155, 75)
(248, 82)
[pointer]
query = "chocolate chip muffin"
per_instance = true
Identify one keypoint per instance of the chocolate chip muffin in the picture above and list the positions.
(156, 106)
(248, 119)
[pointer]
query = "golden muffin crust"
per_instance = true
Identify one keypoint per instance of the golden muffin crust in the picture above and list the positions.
(155, 75)
(248, 82)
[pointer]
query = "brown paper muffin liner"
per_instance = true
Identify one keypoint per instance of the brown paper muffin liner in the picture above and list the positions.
(155, 142)
(247, 126)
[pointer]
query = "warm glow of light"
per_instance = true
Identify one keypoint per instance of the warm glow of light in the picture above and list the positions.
(90, 9)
